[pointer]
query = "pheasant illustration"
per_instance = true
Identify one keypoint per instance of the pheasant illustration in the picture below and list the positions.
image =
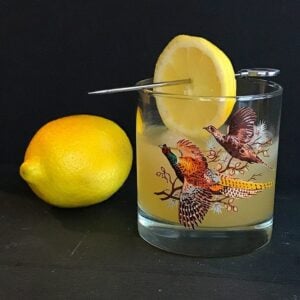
(200, 183)
(240, 133)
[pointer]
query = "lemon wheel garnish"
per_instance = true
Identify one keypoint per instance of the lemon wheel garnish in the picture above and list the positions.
(211, 74)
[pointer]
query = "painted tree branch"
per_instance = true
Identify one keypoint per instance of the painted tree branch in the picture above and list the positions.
(213, 155)
(227, 202)
(237, 167)
(254, 177)
(168, 194)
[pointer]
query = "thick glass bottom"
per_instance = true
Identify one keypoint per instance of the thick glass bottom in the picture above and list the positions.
(204, 241)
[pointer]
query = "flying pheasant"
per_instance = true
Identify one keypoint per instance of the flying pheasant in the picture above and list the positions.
(200, 183)
(240, 132)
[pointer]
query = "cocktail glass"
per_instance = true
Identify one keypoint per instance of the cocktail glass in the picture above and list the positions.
(210, 194)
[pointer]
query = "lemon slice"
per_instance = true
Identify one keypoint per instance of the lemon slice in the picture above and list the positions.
(211, 74)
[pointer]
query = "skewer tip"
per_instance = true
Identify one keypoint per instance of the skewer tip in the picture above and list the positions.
(94, 93)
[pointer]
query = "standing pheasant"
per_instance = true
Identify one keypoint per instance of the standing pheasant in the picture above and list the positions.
(200, 183)
(240, 132)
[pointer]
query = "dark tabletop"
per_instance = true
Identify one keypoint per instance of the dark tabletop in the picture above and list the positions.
(95, 252)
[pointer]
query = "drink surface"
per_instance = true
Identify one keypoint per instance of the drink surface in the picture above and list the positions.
(159, 188)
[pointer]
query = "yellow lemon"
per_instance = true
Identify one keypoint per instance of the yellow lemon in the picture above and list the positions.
(77, 160)
(211, 74)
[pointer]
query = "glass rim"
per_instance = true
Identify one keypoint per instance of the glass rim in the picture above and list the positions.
(276, 92)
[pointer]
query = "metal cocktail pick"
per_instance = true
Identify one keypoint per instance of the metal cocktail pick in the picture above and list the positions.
(253, 72)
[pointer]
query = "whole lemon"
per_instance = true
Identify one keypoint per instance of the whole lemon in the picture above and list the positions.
(77, 160)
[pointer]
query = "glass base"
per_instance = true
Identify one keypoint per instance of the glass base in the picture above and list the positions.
(204, 241)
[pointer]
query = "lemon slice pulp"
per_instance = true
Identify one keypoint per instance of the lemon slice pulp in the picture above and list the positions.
(211, 74)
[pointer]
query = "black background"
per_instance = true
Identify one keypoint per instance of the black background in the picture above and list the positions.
(52, 53)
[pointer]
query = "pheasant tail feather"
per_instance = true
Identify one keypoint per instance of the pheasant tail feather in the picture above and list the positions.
(237, 192)
(244, 185)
